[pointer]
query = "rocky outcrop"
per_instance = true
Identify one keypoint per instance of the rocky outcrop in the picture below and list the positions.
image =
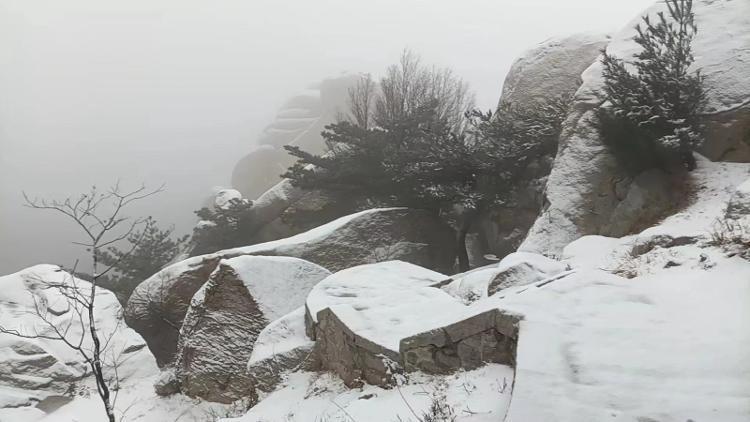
(42, 372)
(158, 305)
(549, 71)
(226, 316)
(299, 122)
(588, 193)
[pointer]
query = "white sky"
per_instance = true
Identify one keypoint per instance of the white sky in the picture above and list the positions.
(176, 91)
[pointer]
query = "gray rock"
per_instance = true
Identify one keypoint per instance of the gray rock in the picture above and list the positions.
(226, 316)
(548, 71)
(158, 305)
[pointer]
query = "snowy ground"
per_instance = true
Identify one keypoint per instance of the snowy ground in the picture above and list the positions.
(481, 395)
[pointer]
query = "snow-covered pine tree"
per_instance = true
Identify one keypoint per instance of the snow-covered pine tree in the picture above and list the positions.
(650, 115)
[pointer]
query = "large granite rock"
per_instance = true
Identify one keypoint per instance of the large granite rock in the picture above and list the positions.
(549, 71)
(226, 316)
(299, 122)
(158, 305)
(588, 193)
(43, 373)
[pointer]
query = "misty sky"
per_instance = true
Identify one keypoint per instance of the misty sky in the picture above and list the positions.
(176, 91)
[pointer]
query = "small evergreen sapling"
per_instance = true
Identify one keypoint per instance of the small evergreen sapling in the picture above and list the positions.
(650, 115)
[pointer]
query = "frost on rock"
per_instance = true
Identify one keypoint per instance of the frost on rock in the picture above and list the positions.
(226, 316)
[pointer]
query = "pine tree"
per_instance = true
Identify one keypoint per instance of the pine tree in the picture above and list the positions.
(150, 250)
(422, 157)
(650, 116)
(229, 226)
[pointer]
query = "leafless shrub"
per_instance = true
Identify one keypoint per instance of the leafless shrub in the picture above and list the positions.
(100, 216)
(732, 236)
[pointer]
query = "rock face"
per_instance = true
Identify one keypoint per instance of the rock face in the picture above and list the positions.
(299, 122)
(551, 70)
(587, 191)
(37, 372)
(158, 305)
(226, 316)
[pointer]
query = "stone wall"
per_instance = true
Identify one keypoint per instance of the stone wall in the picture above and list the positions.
(489, 337)
(352, 357)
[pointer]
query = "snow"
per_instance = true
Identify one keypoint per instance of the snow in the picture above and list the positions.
(575, 186)
(386, 302)
(282, 335)
(279, 284)
(474, 285)
(137, 369)
(669, 346)
(225, 197)
(480, 395)
(310, 236)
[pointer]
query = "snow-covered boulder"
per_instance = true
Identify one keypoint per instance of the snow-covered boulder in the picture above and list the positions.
(516, 269)
(281, 347)
(739, 203)
(374, 321)
(548, 71)
(226, 315)
(158, 305)
(358, 316)
(299, 122)
(551, 69)
(587, 191)
(44, 373)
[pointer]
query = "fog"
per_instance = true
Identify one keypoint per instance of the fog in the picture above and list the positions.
(177, 91)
